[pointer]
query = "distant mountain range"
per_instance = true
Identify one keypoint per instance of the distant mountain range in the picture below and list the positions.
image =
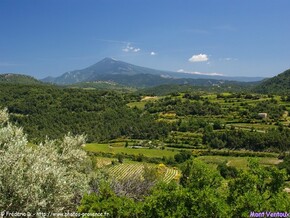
(279, 84)
(127, 74)
(112, 74)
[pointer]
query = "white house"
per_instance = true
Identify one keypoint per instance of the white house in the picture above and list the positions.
(263, 115)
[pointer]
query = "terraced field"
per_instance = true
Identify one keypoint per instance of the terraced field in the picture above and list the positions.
(170, 174)
(103, 161)
(124, 170)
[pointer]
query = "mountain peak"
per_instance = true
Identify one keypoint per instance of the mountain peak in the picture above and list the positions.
(110, 69)
(107, 59)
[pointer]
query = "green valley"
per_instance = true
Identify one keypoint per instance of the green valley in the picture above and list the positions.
(140, 147)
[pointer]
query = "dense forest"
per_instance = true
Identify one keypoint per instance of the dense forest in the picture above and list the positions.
(101, 115)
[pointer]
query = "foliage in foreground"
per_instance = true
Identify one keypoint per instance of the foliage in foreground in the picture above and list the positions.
(45, 178)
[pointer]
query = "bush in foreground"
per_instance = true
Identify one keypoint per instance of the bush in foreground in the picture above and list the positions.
(50, 177)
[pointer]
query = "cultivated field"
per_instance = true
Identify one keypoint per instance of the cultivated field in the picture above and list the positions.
(238, 162)
(124, 170)
(107, 148)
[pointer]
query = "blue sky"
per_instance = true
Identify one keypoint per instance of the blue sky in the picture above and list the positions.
(230, 37)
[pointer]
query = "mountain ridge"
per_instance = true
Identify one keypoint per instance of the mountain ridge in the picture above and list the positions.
(108, 68)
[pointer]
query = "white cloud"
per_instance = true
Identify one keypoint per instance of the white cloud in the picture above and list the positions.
(130, 48)
(153, 53)
(181, 71)
(199, 73)
(198, 58)
(125, 49)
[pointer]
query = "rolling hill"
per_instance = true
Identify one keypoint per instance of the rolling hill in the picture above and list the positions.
(10, 78)
(279, 84)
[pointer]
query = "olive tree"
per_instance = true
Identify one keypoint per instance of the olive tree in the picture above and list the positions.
(51, 176)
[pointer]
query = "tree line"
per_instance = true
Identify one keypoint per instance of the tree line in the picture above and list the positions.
(277, 140)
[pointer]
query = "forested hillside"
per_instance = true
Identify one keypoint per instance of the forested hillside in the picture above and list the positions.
(279, 84)
(101, 115)
(17, 79)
